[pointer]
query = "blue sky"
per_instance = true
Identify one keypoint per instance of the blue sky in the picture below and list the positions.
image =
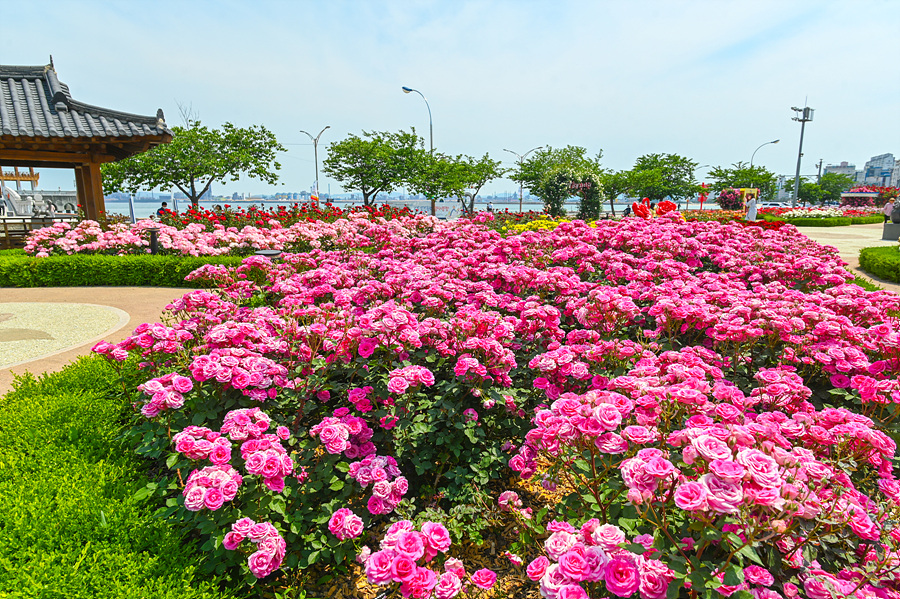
(710, 80)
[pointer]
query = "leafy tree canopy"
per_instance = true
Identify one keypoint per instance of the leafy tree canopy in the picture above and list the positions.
(658, 176)
(547, 161)
(195, 158)
(741, 175)
(833, 184)
(809, 192)
(374, 163)
(476, 173)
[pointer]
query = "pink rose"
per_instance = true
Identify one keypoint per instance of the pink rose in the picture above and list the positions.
(558, 543)
(213, 499)
(484, 578)
(571, 591)
(403, 567)
(621, 576)
(691, 496)
(378, 567)
(573, 565)
(232, 540)
(398, 385)
(758, 575)
(535, 570)
(411, 543)
(448, 586)
(436, 536)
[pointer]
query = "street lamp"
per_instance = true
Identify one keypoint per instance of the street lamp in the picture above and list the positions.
(804, 115)
(687, 201)
(522, 159)
(407, 90)
(757, 150)
(315, 141)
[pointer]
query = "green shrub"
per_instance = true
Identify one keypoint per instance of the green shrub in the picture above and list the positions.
(13, 252)
(96, 270)
(866, 220)
(881, 262)
(71, 525)
(834, 221)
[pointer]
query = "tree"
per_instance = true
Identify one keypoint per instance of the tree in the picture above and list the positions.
(833, 184)
(195, 158)
(658, 176)
(809, 192)
(435, 176)
(555, 189)
(546, 162)
(615, 184)
(377, 162)
(740, 175)
(475, 173)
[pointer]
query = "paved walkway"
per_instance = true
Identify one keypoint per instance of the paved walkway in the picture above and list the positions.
(43, 329)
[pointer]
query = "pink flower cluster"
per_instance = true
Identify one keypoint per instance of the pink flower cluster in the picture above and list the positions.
(388, 486)
(344, 524)
(361, 398)
(166, 393)
(344, 433)
(266, 457)
(256, 376)
(403, 547)
(200, 443)
(211, 487)
(270, 546)
(410, 376)
(247, 423)
(593, 554)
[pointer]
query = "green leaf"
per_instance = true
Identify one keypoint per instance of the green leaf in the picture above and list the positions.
(734, 575)
(170, 461)
(750, 553)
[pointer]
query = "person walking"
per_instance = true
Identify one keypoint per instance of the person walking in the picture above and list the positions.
(751, 209)
(888, 208)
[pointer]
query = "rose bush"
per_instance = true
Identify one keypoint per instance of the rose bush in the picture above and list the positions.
(703, 406)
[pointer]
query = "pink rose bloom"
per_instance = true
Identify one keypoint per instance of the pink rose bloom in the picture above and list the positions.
(535, 570)
(484, 578)
(711, 448)
(639, 434)
(691, 496)
(243, 526)
(397, 385)
(758, 575)
(448, 586)
(182, 384)
(471, 415)
(274, 484)
(456, 566)
(727, 470)
(378, 567)
(411, 543)
(232, 540)
(436, 536)
(213, 499)
(571, 591)
(608, 536)
(420, 584)
(611, 443)
(367, 347)
(220, 454)
(573, 565)
(762, 467)
(336, 522)
(621, 576)
(560, 542)
(722, 496)
(263, 563)
(403, 567)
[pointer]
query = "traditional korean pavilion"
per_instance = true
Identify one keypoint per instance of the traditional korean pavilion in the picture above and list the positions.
(42, 126)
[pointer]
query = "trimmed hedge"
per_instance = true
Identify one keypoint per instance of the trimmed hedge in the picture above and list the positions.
(834, 221)
(881, 262)
(93, 270)
(70, 523)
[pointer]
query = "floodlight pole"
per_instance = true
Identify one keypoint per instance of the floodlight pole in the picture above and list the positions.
(521, 160)
(804, 115)
(315, 141)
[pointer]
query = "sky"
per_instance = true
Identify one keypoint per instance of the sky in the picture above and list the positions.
(707, 79)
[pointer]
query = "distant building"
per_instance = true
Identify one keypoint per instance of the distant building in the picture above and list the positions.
(879, 170)
(843, 168)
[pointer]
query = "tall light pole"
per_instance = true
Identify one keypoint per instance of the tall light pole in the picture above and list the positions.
(521, 160)
(687, 201)
(804, 115)
(407, 90)
(757, 150)
(315, 141)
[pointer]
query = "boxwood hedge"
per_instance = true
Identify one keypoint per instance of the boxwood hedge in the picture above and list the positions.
(881, 262)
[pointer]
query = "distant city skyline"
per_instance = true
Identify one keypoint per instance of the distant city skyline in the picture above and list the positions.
(709, 80)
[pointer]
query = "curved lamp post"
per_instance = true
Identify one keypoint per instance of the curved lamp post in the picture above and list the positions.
(757, 150)
(521, 160)
(315, 141)
(407, 90)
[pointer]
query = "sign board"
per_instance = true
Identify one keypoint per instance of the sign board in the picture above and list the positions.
(443, 210)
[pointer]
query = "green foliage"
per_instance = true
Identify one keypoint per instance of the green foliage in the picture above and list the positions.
(615, 183)
(86, 270)
(554, 190)
(436, 176)
(881, 262)
(195, 158)
(740, 175)
(832, 184)
(377, 162)
(71, 525)
(809, 192)
(475, 174)
(658, 176)
(545, 163)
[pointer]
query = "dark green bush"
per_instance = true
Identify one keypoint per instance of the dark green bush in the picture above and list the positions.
(866, 220)
(87, 270)
(70, 525)
(881, 262)
(835, 221)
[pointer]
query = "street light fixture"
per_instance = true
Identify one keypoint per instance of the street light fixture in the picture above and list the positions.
(315, 141)
(804, 115)
(522, 159)
(687, 200)
(407, 90)
(757, 150)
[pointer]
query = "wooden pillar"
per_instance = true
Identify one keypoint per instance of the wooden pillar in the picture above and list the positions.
(97, 187)
(84, 193)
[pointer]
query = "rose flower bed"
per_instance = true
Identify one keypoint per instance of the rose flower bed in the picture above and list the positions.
(689, 409)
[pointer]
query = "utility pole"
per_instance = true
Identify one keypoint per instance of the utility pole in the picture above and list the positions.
(315, 141)
(804, 115)
(819, 176)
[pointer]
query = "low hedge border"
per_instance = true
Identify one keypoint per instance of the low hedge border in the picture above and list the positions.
(72, 523)
(881, 262)
(93, 270)
(834, 221)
